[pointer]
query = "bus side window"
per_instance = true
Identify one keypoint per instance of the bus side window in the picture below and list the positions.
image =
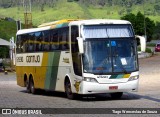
(24, 42)
(46, 41)
(54, 40)
(31, 42)
(64, 38)
(18, 43)
(38, 40)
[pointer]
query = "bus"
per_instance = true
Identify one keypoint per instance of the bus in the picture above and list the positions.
(93, 56)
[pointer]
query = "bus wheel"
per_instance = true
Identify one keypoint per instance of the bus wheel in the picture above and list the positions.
(117, 95)
(28, 89)
(68, 90)
(32, 88)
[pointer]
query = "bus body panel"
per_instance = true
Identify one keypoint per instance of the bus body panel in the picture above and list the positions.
(49, 74)
(64, 70)
(94, 88)
(103, 84)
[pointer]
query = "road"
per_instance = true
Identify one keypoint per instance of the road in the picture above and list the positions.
(148, 96)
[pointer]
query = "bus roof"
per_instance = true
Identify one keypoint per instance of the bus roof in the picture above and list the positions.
(99, 21)
(59, 22)
(24, 31)
(70, 22)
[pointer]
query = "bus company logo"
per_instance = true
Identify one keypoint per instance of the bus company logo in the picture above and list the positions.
(102, 76)
(6, 111)
(33, 59)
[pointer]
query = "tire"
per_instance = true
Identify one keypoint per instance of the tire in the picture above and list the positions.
(117, 95)
(32, 88)
(28, 89)
(68, 90)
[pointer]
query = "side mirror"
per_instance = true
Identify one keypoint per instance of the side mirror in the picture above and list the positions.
(142, 42)
(80, 45)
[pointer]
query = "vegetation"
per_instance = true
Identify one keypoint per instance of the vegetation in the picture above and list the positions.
(7, 30)
(139, 25)
(151, 45)
(149, 50)
(51, 10)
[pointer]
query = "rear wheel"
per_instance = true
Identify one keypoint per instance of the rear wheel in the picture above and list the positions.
(68, 90)
(27, 86)
(117, 95)
(32, 88)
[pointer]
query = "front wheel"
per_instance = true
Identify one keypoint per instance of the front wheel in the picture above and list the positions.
(68, 90)
(117, 95)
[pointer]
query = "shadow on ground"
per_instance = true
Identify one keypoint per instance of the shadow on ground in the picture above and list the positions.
(93, 97)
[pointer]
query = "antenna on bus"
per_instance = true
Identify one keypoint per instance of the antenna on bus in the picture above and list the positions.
(27, 13)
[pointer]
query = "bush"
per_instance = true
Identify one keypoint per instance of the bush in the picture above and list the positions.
(148, 50)
(151, 44)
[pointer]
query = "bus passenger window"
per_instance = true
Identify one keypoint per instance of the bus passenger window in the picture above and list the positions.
(54, 40)
(64, 38)
(46, 41)
(18, 43)
(31, 42)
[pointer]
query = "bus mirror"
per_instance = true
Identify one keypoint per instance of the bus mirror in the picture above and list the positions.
(80, 45)
(142, 42)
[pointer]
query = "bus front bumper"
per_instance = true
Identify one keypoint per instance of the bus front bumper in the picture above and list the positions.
(95, 88)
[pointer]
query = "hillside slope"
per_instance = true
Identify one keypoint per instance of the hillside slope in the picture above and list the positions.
(83, 10)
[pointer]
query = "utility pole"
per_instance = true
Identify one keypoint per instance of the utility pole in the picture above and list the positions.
(145, 33)
(27, 13)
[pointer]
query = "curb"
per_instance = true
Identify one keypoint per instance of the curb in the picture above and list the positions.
(144, 55)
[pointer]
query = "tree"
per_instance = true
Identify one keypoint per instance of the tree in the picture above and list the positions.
(157, 31)
(130, 17)
(140, 22)
(4, 52)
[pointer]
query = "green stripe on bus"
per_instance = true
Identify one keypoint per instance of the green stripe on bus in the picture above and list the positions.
(113, 76)
(52, 70)
(120, 76)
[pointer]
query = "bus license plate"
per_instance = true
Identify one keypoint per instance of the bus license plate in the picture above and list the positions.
(113, 87)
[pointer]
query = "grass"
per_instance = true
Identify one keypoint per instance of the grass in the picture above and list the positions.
(73, 10)
(151, 44)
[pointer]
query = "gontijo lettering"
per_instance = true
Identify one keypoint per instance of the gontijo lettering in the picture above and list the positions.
(33, 59)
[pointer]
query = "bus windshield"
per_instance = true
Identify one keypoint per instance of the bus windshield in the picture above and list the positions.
(110, 54)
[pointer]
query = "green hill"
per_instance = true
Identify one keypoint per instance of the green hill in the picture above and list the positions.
(51, 10)
(83, 9)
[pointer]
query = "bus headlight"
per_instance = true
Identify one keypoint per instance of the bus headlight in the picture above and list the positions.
(133, 78)
(90, 79)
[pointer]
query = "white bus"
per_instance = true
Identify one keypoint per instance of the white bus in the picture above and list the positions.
(78, 57)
